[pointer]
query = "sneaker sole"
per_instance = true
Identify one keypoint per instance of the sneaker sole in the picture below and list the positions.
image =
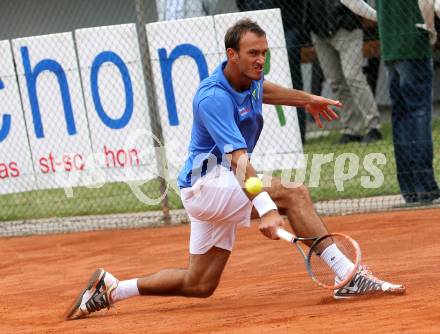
(397, 291)
(93, 282)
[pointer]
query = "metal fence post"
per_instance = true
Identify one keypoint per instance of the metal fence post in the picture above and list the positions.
(156, 127)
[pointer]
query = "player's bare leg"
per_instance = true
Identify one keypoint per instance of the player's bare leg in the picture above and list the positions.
(200, 279)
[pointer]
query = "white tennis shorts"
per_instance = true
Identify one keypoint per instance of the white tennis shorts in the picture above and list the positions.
(216, 205)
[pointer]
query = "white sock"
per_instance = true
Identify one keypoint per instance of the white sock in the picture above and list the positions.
(337, 261)
(126, 289)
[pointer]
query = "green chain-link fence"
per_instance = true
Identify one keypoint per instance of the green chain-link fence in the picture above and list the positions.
(90, 101)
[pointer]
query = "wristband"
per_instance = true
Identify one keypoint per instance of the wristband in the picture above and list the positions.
(263, 203)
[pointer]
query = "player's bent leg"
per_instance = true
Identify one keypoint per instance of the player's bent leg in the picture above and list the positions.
(199, 280)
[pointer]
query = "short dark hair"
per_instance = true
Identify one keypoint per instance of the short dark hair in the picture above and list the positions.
(234, 33)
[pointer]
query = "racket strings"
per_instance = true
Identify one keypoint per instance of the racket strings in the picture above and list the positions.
(331, 259)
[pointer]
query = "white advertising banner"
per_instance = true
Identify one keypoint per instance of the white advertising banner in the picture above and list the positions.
(16, 172)
(86, 110)
(183, 52)
(54, 109)
(279, 146)
(116, 101)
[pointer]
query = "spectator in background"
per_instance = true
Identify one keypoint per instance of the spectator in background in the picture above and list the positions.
(292, 16)
(317, 78)
(405, 32)
(180, 9)
(338, 39)
(371, 69)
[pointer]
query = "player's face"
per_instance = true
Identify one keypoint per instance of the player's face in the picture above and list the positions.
(252, 55)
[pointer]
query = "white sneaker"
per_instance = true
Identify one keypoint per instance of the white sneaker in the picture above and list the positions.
(96, 295)
(364, 283)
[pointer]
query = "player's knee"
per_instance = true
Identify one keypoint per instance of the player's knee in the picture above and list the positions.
(205, 290)
(299, 193)
(200, 288)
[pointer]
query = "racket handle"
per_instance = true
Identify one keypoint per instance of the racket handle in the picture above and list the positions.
(283, 234)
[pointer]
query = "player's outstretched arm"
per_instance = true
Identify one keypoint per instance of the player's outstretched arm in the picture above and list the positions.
(316, 105)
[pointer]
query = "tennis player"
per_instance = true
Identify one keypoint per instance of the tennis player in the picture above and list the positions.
(227, 122)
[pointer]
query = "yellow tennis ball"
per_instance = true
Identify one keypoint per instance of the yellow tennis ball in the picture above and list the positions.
(253, 185)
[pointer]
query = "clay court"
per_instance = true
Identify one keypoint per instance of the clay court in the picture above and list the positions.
(265, 288)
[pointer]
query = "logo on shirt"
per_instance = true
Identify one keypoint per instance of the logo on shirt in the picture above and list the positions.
(244, 111)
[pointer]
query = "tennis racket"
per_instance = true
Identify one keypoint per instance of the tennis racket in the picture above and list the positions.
(317, 268)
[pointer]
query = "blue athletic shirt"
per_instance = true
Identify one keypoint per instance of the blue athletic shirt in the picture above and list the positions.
(224, 120)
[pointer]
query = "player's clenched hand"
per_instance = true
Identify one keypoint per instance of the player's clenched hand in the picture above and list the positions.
(269, 224)
(320, 106)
